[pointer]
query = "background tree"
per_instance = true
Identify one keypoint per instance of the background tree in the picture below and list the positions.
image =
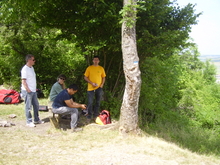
(91, 28)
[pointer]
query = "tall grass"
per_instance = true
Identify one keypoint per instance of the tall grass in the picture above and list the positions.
(182, 131)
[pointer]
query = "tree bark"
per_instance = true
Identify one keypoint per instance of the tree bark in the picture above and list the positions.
(129, 109)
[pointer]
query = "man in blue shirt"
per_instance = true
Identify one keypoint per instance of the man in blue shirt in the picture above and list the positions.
(64, 104)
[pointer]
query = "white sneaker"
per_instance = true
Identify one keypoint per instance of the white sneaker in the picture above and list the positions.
(39, 122)
(76, 129)
(31, 124)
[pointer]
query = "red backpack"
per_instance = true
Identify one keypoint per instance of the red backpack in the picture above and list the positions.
(104, 118)
(9, 96)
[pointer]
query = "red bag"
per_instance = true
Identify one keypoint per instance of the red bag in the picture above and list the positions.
(9, 96)
(104, 118)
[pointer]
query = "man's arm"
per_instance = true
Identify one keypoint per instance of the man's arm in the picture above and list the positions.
(87, 79)
(70, 103)
(24, 82)
(103, 82)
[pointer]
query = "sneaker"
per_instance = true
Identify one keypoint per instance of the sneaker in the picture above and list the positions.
(31, 124)
(77, 129)
(39, 122)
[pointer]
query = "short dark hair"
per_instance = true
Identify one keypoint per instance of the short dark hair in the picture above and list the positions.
(61, 76)
(28, 56)
(96, 57)
(73, 86)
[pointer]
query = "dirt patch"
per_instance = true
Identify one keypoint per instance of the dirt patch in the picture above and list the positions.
(45, 144)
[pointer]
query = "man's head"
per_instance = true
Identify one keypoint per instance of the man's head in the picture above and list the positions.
(96, 60)
(72, 89)
(61, 78)
(30, 59)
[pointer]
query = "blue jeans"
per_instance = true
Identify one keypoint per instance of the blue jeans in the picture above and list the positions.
(31, 100)
(67, 110)
(98, 94)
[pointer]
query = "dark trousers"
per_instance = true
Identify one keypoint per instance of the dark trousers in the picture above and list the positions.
(91, 94)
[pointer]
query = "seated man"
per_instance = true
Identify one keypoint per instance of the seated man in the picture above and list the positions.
(64, 104)
(57, 87)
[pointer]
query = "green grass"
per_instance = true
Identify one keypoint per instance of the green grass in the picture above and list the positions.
(181, 131)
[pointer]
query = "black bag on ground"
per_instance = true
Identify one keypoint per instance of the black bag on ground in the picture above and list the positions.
(43, 108)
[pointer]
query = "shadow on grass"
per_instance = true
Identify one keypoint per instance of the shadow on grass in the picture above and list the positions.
(63, 121)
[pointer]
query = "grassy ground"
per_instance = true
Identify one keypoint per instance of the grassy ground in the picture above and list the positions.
(45, 144)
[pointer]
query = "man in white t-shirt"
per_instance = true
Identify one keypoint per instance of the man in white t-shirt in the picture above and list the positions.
(28, 90)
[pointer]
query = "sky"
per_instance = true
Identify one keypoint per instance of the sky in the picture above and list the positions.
(206, 34)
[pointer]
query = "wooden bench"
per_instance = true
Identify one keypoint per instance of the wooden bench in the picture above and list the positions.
(59, 123)
(55, 119)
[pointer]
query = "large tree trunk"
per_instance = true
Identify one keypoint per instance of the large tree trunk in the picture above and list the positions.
(129, 108)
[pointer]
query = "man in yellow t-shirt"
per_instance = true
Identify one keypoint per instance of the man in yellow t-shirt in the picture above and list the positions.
(95, 76)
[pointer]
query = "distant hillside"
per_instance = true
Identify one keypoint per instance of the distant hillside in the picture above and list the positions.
(214, 59)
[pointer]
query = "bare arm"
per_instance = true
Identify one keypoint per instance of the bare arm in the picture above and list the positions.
(103, 82)
(25, 85)
(87, 79)
(70, 103)
(63, 86)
